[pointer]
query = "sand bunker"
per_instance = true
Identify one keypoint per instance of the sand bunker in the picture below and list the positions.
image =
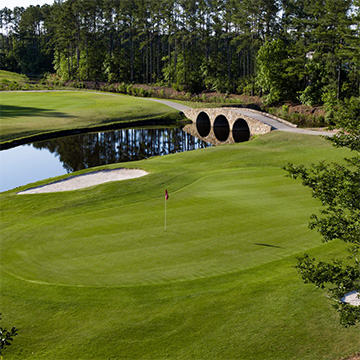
(86, 180)
(352, 298)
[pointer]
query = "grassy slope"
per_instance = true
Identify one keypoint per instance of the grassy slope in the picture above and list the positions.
(11, 76)
(28, 113)
(219, 284)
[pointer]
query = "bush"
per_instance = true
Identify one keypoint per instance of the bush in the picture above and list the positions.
(80, 85)
(129, 89)
(6, 337)
(177, 87)
(143, 92)
(53, 79)
(121, 88)
(310, 96)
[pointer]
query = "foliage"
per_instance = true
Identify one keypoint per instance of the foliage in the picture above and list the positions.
(13, 81)
(277, 75)
(337, 186)
(193, 46)
(6, 336)
(330, 104)
(348, 120)
(302, 117)
(270, 69)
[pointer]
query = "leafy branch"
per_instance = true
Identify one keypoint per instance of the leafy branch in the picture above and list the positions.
(6, 336)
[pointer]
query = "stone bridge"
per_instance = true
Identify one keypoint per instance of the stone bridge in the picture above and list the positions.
(229, 125)
(225, 125)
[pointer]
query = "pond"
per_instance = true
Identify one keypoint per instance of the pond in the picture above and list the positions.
(41, 160)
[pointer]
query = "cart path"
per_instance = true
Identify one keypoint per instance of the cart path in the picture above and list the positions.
(263, 117)
(275, 124)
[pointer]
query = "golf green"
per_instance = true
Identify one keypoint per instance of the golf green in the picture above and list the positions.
(212, 228)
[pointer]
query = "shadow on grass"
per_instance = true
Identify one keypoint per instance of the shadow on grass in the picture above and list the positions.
(268, 245)
(9, 111)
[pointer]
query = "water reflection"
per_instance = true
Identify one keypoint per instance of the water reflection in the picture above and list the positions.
(29, 163)
(221, 134)
(221, 128)
(240, 131)
(41, 160)
(203, 124)
(84, 151)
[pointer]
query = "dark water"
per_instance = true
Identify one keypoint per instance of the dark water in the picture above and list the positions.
(41, 160)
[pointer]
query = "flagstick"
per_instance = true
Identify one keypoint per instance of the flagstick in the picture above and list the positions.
(165, 213)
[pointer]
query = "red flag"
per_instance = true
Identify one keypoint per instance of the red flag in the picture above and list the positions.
(166, 195)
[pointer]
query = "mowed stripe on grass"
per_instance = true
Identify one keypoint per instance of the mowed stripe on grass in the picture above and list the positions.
(219, 284)
(224, 222)
(30, 113)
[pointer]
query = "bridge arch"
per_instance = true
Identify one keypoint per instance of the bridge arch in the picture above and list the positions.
(203, 124)
(220, 125)
(221, 128)
(240, 130)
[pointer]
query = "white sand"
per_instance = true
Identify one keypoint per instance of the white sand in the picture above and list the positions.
(352, 298)
(86, 180)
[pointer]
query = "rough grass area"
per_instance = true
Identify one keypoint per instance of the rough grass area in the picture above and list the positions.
(91, 274)
(24, 114)
(301, 115)
(11, 76)
(13, 81)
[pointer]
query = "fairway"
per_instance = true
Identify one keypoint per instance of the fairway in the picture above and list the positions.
(91, 273)
(30, 113)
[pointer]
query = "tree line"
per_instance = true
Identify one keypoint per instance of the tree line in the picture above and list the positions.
(286, 50)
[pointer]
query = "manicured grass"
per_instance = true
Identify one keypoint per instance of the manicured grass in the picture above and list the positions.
(25, 114)
(92, 274)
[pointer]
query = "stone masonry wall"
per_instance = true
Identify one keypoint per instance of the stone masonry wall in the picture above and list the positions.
(256, 127)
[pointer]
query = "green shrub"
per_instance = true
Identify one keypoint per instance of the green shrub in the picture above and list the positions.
(6, 336)
(129, 89)
(80, 85)
(177, 87)
(143, 92)
(135, 91)
(272, 111)
(122, 88)
(310, 95)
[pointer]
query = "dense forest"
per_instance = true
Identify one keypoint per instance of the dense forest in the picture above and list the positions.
(305, 50)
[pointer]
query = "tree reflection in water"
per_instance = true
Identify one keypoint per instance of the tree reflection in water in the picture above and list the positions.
(84, 151)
